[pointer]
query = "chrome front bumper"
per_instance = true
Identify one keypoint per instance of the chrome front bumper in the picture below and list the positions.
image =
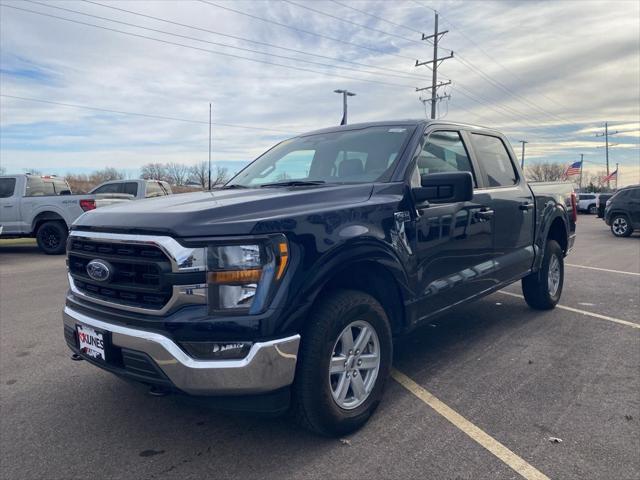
(268, 366)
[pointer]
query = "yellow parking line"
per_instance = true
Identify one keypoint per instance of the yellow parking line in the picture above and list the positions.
(478, 435)
(583, 312)
(602, 269)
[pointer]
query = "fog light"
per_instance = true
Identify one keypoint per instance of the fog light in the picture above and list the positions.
(217, 350)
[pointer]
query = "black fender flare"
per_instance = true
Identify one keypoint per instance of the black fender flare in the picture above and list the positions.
(550, 212)
(357, 251)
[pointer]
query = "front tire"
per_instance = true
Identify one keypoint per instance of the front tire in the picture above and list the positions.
(52, 237)
(345, 359)
(592, 210)
(542, 289)
(620, 226)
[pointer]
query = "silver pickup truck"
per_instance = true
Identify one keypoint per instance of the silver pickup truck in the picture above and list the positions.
(43, 207)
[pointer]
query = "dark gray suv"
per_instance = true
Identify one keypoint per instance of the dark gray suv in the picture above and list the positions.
(622, 212)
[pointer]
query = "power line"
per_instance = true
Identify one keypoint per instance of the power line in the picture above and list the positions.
(468, 64)
(308, 32)
(215, 43)
(146, 115)
(375, 16)
(344, 20)
(210, 51)
(256, 42)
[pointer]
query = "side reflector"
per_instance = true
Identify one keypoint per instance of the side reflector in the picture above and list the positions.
(283, 250)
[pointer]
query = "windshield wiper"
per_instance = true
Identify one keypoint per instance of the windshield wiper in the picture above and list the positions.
(235, 185)
(294, 183)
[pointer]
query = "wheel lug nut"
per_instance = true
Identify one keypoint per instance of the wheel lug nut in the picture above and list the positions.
(355, 373)
(357, 352)
(350, 352)
(359, 362)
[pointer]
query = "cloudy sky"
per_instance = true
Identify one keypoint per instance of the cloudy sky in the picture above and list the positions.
(548, 72)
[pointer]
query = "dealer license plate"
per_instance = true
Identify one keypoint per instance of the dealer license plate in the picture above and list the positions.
(91, 342)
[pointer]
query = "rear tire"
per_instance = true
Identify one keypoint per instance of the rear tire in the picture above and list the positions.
(542, 289)
(321, 402)
(620, 226)
(52, 237)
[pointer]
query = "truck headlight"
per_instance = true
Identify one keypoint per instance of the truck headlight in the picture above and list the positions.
(241, 276)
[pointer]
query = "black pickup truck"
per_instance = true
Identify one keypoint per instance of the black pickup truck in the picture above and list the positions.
(285, 288)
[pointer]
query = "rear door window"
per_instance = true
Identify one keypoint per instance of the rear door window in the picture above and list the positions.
(7, 186)
(495, 160)
(131, 188)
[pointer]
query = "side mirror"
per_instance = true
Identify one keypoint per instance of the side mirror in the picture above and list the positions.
(448, 187)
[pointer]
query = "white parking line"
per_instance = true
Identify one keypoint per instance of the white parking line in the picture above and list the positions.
(478, 435)
(583, 312)
(602, 269)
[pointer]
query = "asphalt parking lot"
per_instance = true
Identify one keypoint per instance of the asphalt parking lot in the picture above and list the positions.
(519, 377)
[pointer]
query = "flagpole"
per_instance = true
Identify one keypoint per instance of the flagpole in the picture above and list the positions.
(617, 175)
(581, 163)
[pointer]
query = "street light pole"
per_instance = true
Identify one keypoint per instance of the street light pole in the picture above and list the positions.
(345, 94)
(209, 174)
(522, 158)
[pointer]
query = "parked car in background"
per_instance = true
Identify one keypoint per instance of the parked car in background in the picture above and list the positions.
(288, 284)
(42, 207)
(137, 189)
(587, 202)
(601, 203)
(622, 212)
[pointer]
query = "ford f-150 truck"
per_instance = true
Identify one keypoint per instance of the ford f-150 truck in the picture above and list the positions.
(42, 207)
(285, 288)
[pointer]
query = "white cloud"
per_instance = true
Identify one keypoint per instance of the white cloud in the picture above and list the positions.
(577, 64)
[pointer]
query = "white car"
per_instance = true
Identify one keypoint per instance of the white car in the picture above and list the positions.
(587, 202)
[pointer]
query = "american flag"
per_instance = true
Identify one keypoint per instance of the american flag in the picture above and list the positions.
(613, 175)
(573, 169)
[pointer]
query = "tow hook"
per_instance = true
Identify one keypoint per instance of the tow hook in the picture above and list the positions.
(76, 358)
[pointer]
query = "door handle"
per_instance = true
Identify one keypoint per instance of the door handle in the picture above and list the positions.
(485, 214)
(526, 206)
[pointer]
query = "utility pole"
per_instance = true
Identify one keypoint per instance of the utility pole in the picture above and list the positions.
(606, 135)
(523, 142)
(435, 63)
(209, 182)
(345, 94)
(581, 165)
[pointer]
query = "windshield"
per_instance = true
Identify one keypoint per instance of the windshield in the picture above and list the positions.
(352, 156)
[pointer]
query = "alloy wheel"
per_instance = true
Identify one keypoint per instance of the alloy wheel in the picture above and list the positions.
(354, 365)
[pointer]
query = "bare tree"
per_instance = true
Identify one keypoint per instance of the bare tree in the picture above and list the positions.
(219, 176)
(177, 173)
(200, 174)
(545, 172)
(154, 171)
(105, 175)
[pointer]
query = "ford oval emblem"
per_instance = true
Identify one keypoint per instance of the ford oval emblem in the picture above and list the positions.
(99, 270)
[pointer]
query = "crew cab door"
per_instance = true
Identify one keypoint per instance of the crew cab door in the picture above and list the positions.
(9, 206)
(512, 203)
(452, 241)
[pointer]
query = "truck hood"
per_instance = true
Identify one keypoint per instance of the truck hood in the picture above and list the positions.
(223, 212)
